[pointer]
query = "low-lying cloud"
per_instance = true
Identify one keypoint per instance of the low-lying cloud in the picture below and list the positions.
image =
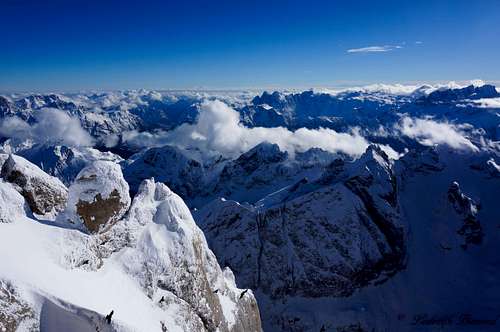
(374, 49)
(218, 129)
(52, 126)
(486, 103)
(429, 132)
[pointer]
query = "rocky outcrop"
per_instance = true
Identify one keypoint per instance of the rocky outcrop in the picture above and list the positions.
(43, 193)
(488, 165)
(172, 262)
(15, 313)
(467, 209)
(98, 197)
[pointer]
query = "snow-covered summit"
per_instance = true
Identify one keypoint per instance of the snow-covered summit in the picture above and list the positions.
(55, 277)
(470, 92)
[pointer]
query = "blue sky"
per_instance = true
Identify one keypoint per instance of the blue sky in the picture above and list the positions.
(64, 45)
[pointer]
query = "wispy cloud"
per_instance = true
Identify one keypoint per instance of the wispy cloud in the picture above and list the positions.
(374, 49)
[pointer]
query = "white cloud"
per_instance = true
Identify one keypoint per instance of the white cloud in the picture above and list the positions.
(486, 103)
(375, 49)
(218, 129)
(52, 126)
(429, 132)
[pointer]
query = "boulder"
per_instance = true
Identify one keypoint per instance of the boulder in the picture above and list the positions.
(43, 193)
(98, 197)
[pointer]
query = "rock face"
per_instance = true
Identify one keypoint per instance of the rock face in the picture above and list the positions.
(467, 209)
(318, 240)
(43, 193)
(98, 197)
(173, 264)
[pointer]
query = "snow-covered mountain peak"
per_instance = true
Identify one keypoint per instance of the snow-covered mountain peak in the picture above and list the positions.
(373, 165)
(471, 92)
(174, 252)
(157, 253)
(264, 152)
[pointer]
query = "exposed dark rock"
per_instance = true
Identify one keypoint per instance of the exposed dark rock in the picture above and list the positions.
(14, 311)
(100, 211)
(98, 197)
(42, 192)
(465, 206)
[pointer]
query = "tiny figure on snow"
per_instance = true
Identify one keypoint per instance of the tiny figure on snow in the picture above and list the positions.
(108, 316)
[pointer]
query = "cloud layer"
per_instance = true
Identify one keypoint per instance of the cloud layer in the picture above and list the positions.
(52, 126)
(218, 129)
(486, 103)
(429, 132)
(374, 49)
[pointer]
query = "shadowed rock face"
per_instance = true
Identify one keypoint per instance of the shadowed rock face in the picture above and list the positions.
(100, 211)
(42, 192)
(342, 235)
(467, 209)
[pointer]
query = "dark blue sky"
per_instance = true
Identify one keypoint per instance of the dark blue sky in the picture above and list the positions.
(111, 44)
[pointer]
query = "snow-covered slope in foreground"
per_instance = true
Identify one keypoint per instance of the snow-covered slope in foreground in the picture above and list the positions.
(152, 268)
